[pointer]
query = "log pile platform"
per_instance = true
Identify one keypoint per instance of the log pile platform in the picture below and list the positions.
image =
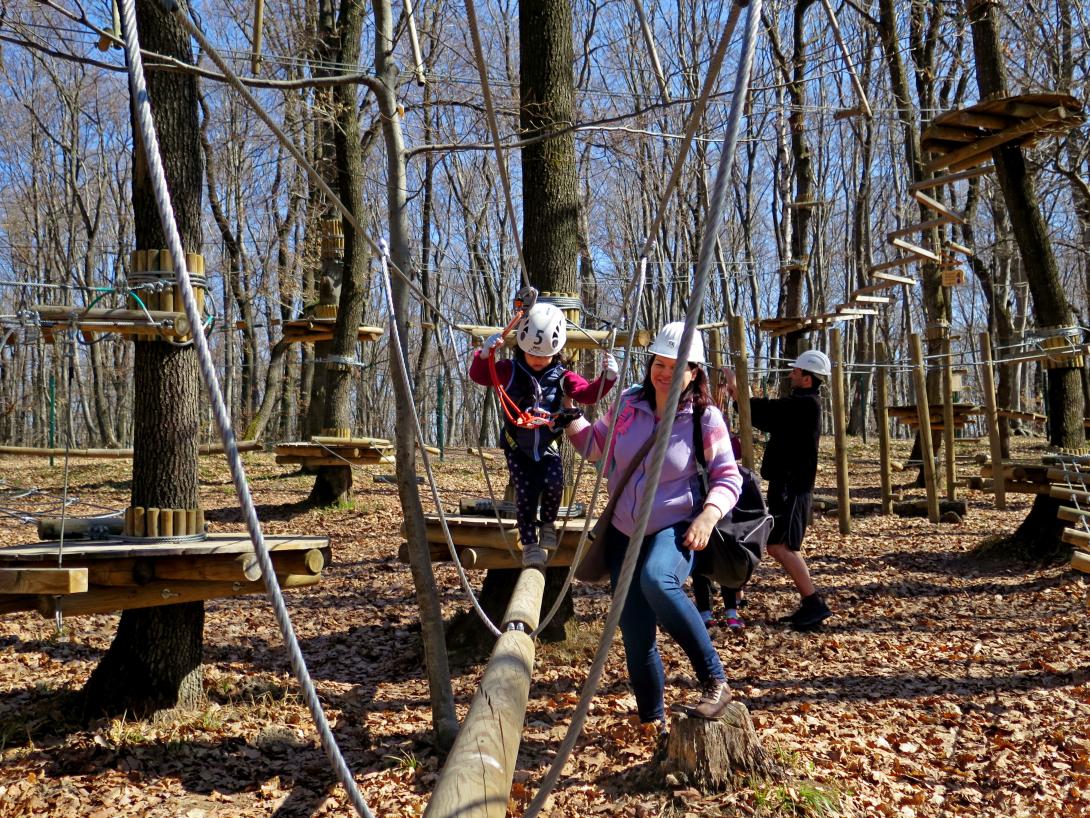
(107, 575)
(910, 416)
(480, 540)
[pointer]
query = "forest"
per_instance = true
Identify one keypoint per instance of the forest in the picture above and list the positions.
(247, 252)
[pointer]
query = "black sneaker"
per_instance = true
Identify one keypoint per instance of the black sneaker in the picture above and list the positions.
(714, 698)
(811, 613)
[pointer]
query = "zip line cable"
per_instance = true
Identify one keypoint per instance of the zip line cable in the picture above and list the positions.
(157, 176)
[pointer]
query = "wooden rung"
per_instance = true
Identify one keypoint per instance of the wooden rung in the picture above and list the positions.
(902, 261)
(915, 249)
(938, 207)
(863, 298)
(1069, 495)
(1080, 561)
(892, 278)
(1078, 478)
(1073, 536)
(43, 580)
(917, 228)
(950, 178)
(959, 248)
(1073, 515)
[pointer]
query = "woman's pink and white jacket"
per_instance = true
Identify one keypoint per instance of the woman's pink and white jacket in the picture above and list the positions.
(679, 487)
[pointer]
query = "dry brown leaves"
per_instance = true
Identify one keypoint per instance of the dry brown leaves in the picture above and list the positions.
(942, 687)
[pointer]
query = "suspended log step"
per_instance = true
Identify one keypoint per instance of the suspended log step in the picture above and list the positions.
(950, 178)
(959, 248)
(900, 261)
(1080, 561)
(865, 298)
(891, 278)
(920, 227)
(951, 216)
(848, 309)
(1073, 536)
(1074, 515)
(915, 249)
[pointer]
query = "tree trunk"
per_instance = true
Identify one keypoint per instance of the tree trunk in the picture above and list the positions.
(154, 661)
(1040, 532)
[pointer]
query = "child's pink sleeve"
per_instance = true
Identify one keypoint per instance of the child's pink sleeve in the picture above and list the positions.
(478, 370)
(587, 393)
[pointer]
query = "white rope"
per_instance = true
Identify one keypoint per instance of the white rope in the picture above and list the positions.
(658, 451)
(150, 142)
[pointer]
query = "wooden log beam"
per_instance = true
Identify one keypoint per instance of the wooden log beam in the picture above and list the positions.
(840, 437)
(475, 781)
(159, 592)
(1073, 536)
(237, 568)
(920, 381)
(920, 227)
(1067, 495)
(892, 278)
(1080, 561)
(42, 580)
(901, 261)
(113, 454)
(915, 249)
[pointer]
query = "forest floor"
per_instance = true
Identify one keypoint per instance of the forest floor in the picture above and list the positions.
(945, 685)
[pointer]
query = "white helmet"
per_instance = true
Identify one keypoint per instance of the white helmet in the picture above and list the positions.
(669, 337)
(542, 331)
(815, 362)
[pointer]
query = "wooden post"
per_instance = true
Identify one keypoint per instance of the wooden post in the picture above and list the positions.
(923, 412)
(476, 780)
(948, 420)
(715, 356)
(741, 372)
(840, 438)
(882, 356)
(987, 383)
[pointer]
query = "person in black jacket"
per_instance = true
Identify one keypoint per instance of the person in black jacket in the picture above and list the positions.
(790, 466)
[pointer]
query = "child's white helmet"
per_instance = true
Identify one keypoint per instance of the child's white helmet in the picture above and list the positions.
(668, 340)
(542, 331)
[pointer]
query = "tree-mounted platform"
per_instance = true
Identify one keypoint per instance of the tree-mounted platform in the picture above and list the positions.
(480, 541)
(120, 574)
(314, 330)
(322, 450)
(136, 323)
(578, 337)
(965, 138)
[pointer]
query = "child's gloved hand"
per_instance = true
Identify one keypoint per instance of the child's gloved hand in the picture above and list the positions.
(565, 417)
(609, 367)
(493, 342)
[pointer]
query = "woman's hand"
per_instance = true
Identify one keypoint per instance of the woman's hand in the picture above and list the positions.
(696, 538)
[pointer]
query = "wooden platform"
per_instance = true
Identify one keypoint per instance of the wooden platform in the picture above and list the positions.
(335, 452)
(115, 574)
(965, 138)
(139, 324)
(910, 416)
(480, 543)
(312, 330)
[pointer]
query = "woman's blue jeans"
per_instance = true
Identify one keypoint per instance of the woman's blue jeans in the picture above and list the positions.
(657, 597)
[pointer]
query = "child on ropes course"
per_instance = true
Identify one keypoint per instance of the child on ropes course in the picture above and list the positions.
(536, 381)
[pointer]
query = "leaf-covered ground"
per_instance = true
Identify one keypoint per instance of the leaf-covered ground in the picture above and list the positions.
(945, 685)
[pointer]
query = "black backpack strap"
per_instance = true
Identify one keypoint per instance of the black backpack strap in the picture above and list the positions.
(698, 446)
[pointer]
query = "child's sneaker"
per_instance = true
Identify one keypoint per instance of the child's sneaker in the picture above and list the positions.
(533, 555)
(735, 624)
(547, 537)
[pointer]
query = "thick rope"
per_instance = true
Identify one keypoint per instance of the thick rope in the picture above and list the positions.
(150, 142)
(395, 345)
(658, 451)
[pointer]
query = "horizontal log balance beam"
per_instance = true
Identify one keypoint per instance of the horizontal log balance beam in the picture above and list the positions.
(114, 454)
(578, 338)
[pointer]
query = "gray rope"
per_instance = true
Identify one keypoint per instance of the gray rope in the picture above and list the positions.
(150, 142)
(658, 451)
(395, 344)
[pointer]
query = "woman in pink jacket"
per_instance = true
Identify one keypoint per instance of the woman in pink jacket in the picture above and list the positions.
(680, 522)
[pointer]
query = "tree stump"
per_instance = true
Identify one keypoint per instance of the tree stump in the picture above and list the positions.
(710, 755)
